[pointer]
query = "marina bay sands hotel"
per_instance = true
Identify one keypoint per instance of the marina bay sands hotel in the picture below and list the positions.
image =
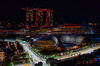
(38, 18)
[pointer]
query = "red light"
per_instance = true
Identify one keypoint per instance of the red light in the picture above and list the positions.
(23, 8)
(27, 27)
(36, 23)
(69, 25)
(46, 18)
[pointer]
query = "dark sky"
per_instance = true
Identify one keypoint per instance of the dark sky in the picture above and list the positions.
(64, 10)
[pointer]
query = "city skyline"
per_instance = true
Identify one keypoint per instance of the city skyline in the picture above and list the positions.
(64, 11)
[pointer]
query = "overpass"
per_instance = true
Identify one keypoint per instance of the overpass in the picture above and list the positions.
(86, 51)
(36, 58)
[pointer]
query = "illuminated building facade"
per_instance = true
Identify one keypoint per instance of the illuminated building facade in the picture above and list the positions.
(92, 23)
(46, 42)
(2, 55)
(40, 17)
(94, 27)
(35, 17)
(3, 51)
(50, 17)
(70, 26)
(29, 17)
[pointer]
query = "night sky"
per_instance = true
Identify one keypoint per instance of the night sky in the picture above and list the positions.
(65, 11)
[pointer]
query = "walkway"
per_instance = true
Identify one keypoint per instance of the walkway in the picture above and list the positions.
(86, 51)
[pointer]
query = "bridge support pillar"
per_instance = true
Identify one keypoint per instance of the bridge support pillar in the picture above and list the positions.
(8, 44)
(15, 44)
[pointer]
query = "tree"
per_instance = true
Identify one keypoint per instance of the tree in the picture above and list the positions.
(40, 64)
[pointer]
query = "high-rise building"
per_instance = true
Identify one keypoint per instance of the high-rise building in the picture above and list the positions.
(2, 55)
(38, 18)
